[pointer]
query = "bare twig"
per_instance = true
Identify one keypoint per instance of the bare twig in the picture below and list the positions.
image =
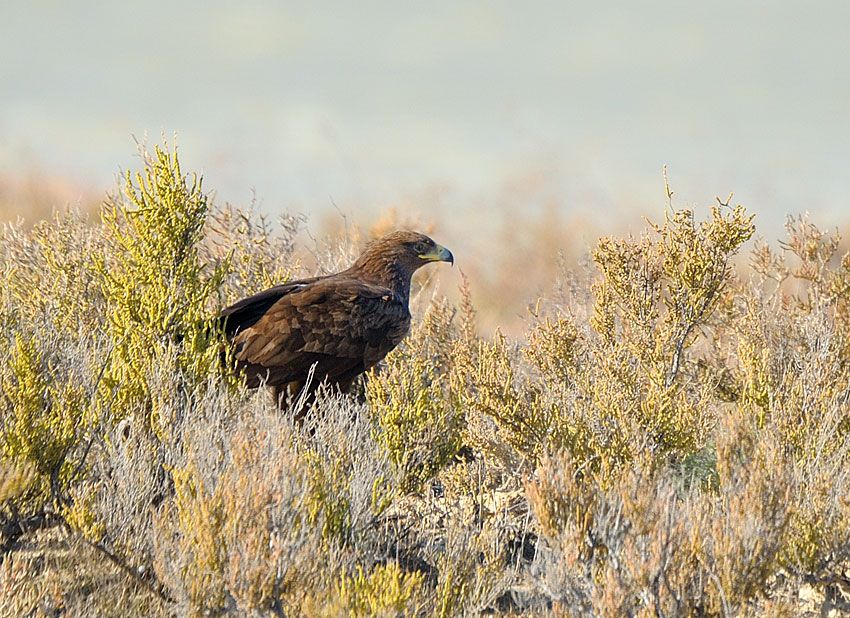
(146, 578)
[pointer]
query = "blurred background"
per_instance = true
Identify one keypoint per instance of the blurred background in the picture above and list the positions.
(515, 131)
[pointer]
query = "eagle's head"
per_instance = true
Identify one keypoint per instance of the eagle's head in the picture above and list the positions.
(412, 249)
(395, 257)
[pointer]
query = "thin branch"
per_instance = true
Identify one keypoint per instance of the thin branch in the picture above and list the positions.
(146, 579)
(667, 190)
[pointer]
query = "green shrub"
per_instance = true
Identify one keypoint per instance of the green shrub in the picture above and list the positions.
(416, 420)
(157, 290)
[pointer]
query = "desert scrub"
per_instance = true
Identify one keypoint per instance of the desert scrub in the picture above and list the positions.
(156, 288)
(386, 591)
(633, 545)
(668, 436)
(624, 384)
(350, 477)
(655, 294)
(416, 419)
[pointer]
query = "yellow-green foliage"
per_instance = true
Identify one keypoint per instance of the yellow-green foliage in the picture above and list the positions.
(554, 348)
(15, 479)
(156, 287)
(327, 502)
(607, 395)
(43, 419)
(385, 591)
(241, 532)
(49, 272)
(200, 519)
(487, 385)
(46, 279)
(669, 279)
(469, 576)
(655, 294)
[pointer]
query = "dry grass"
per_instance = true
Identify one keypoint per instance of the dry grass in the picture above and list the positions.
(667, 437)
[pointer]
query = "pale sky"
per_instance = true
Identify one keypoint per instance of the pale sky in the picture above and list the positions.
(368, 103)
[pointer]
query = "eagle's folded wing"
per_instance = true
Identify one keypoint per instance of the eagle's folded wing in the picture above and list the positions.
(248, 311)
(343, 326)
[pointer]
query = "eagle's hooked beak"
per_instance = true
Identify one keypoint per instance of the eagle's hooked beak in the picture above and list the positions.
(439, 254)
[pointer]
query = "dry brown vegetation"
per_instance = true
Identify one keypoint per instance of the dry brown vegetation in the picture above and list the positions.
(34, 195)
(669, 437)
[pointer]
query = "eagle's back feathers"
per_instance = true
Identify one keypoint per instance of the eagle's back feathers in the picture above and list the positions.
(339, 323)
(336, 326)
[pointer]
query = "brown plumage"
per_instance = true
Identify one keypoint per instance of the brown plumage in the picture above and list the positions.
(342, 324)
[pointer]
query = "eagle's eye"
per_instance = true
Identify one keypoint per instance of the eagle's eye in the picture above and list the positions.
(421, 247)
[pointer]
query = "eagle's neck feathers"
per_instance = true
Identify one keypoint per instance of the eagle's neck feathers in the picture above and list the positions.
(387, 272)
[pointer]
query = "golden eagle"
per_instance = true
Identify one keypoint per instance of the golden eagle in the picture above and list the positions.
(335, 327)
